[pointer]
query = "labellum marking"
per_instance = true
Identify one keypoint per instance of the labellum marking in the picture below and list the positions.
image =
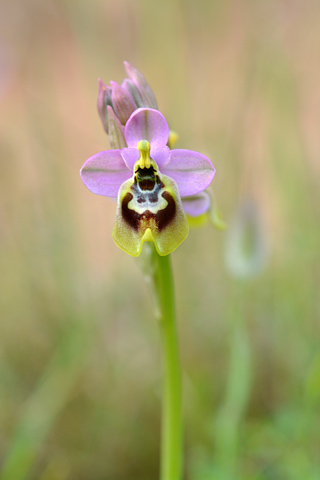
(149, 209)
(141, 221)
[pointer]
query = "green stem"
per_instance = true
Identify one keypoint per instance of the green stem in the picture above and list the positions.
(171, 434)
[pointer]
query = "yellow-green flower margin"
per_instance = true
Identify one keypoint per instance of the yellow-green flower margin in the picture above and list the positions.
(165, 223)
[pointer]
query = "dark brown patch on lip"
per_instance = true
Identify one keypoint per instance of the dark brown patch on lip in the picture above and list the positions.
(147, 184)
(162, 218)
(131, 217)
(166, 215)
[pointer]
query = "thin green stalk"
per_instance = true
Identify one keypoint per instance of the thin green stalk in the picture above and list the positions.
(171, 434)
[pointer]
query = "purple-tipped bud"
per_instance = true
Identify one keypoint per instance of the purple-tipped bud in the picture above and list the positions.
(103, 100)
(130, 87)
(147, 95)
(122, 102)
(116, 130)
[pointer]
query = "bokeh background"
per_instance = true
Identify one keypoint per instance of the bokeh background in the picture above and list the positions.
(80, 370)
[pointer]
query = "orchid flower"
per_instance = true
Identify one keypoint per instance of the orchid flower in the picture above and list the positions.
(153, 184)
(116, 103)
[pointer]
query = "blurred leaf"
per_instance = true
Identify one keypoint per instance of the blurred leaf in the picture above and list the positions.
(46, 403)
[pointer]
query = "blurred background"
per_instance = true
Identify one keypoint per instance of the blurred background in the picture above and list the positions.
(80, 370)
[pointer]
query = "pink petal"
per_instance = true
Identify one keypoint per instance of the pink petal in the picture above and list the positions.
(192, 171)
(160, 155)
(130, 156)
(105, 172)
(147, 124)
(196, 204)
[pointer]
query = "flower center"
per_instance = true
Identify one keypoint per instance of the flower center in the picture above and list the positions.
(145, 169)
(144, 161)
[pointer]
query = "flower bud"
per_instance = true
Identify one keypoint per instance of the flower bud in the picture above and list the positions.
(173, 138)
(103, 100)
(122, 101)
(130, 87)
(116, 130)
(147, 95)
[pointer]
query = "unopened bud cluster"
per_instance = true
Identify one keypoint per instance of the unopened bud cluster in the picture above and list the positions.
(116, 103)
